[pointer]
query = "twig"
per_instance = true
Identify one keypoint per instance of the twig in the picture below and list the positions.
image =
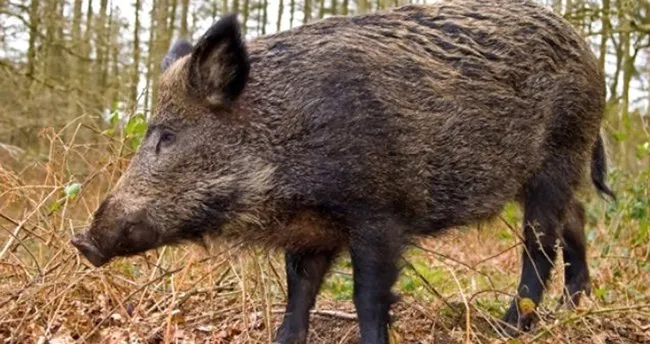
(470, 267)
(29, 231)
(497, 254)
(23, 222)
(471, 298)
(430, 287)
(446, 257)
(21, 243)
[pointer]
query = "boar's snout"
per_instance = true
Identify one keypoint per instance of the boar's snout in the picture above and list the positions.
(88, 249)
(116, 230)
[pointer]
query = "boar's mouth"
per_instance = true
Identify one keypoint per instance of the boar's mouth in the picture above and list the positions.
(89, 250)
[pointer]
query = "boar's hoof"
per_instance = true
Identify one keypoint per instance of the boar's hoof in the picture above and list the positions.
(89, 250)
(573, 293)
(286, 335)
(516, 322)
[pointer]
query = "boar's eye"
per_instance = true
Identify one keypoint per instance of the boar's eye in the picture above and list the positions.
(165, 139)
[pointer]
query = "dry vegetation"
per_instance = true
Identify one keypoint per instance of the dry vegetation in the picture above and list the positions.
(454, 286)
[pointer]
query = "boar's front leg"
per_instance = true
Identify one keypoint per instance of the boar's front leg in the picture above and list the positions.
(375, 247)
(305, 271)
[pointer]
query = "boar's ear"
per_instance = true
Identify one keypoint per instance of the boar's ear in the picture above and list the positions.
(218, 68)
(179, 49)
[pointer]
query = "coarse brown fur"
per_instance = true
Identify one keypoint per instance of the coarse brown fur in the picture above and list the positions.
(365, 132)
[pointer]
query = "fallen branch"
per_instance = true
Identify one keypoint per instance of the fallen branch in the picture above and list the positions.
(335, 314)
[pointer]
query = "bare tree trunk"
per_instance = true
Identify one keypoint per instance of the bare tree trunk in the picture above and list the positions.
(62, 65)
(362, 6)
(224, 6)
(172, 21)
(245, 14)
(90, 91)
(106, 61)
(587, 24)
(33, 59)
(75, 34)
(34, 19)
(159, 46)
(307, 12)
(292, 12)
(76, 67)
(628, 70)
(627, 63)
(149, 92)
(613, 87)
(50, 22)
(184, 32)
(258, 28)
(604, 37)
(214, 11)
(265, 6)
(194, 15)
(568, 9)
(53, 60)
(280, 10)
(89, 25)
(321, 9)
(114, 48)
(101, 51)
(344, 7)
(648, 73)
(135, 76)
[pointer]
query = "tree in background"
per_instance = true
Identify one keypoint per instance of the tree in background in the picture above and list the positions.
(60, 59)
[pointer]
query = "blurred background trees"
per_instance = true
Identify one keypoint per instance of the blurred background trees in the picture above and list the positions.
(60, 59)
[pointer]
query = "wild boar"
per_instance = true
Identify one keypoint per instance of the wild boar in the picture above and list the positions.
(364, 133)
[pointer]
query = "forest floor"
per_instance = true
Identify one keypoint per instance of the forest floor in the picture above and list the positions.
(238, 298)
(454, 286)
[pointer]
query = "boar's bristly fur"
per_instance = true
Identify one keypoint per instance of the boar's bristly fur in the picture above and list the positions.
(364, 133)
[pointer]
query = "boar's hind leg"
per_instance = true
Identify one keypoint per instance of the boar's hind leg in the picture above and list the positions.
(546, 197)
(576, 272)
(375, 247)
(305, 273)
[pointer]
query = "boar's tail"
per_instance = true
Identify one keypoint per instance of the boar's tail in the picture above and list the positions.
(599, 168)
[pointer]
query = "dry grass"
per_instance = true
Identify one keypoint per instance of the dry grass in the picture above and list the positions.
(454, 286)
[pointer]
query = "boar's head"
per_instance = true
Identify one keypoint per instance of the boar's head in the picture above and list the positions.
(197, 168)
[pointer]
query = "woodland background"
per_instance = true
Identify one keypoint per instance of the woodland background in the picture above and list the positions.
(77, 82)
